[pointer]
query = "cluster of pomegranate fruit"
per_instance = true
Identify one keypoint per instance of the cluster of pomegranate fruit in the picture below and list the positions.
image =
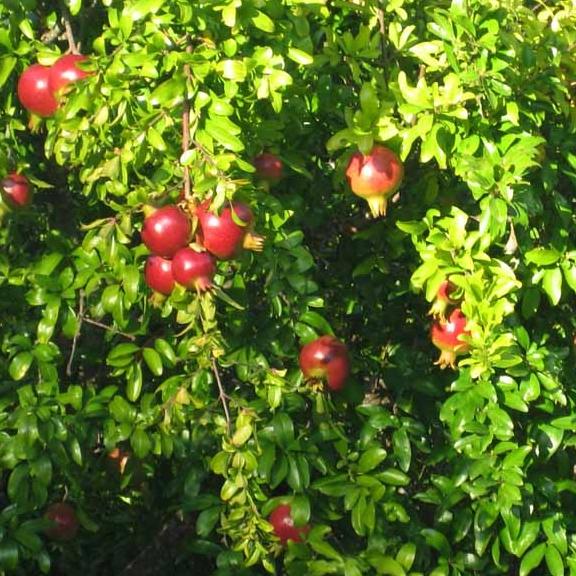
(167, 233)
(16, 190)
(375, 177)
(449, 326)
(41, 87)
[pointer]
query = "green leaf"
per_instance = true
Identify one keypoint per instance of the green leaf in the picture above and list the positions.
(554, 561)
(369, 101)
(570, 276)
(542, 256)
(153, 361)
(9, 554)
(402, 448)
(394, 477)
(242, 435)
(155, 139)
(532, 559)
(134, 382)
(370, 459)
(165, 349)
(74, 6)
(406, 555)
(283, 428)
(300, 57)
(317, 321)
(437, 540)
(143, 8)
(263, 22)
(7, 64)
(20, 365)
(42, 469)
(170, 93)
(552, 284)
(122, 411)
(75, 450)
(207, 520)
(233, 70)
(222, 134)
(140, 442)
(502, 425)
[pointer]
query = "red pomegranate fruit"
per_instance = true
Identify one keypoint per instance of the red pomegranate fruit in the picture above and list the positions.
(193, 269)
(446, 336)
(375, 177)
(166, 230)
(16, 190)
(283, 524)
(158, 274)
(64, 522)
(226, 234)
(269, 167)
(326, 358)
(443, 300)
(65, 71)
(34, 91)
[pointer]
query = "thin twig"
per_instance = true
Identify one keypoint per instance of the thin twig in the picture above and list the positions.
(222, 394)
(186, 128)
(67, 19)
(383, 43)
(76, 334)
(109, 328)
(209, 159)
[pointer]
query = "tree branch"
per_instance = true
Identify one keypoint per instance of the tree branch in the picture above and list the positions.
(109, 328)
(222, 394)
(383, 44)
(76, 334)
(186, 128)
(67, 20)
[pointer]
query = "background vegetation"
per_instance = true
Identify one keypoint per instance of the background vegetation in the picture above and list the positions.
(409, 470)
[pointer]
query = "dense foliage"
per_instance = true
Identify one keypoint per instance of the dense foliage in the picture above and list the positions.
(175, 424)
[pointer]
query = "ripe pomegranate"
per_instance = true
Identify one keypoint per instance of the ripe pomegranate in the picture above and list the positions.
(446, 336)
(268, 167)
(326, 358)
(16, 190)
(193, 269)
(64, 521)
(283, 524)
(64, 71)
(443, 300)
(375, 177)
(166, 230)
(34, 91)
(226, 234)
(158, 274)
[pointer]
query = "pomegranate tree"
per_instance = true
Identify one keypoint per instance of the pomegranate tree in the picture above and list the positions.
(375, 177)
(326, 358)
(225, 235)
(166, 230)
(193, 269)
(16, 190)
(447, 337)
(283, 524)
